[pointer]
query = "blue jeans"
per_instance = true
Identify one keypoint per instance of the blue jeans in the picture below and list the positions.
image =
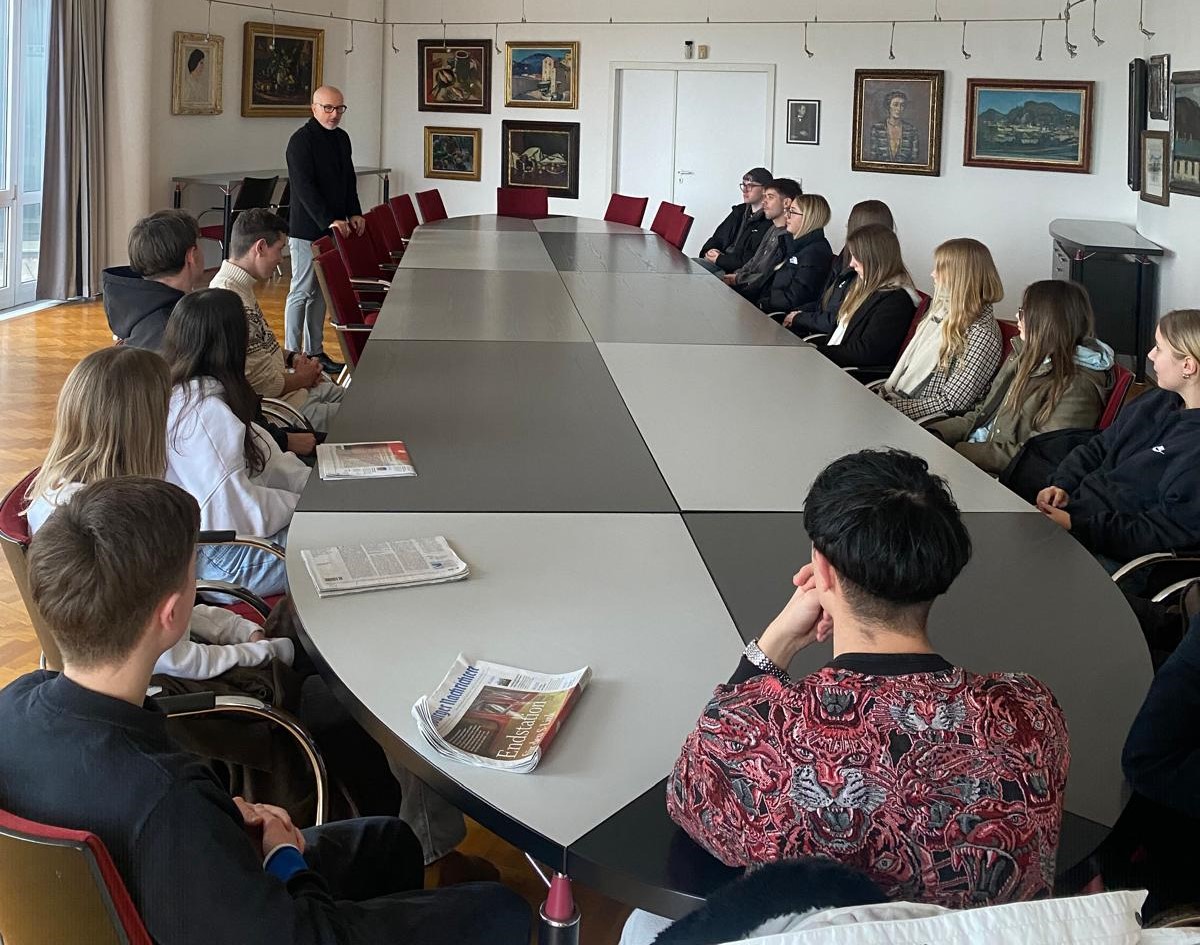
(257, 571)
(304, 312)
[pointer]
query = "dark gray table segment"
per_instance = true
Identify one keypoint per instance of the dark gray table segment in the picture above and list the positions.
(493, 426)
(477, 305)
(608, 252)
(562, 224)
(1010, 610)
(485, 222)
(475, 249)
(657, 308)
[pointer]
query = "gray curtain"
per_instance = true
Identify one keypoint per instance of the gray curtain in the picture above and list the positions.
(72, 250)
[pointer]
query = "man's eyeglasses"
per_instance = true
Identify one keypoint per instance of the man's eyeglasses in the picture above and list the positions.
(330, 109)
(749, 184)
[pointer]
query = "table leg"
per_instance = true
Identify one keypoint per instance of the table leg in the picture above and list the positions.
(387, 188)
(177, 199)
(558, 916)
(228, 224)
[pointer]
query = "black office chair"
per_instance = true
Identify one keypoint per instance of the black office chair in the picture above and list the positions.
(254, 192)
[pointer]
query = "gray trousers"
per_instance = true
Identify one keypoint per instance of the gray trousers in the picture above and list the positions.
(439, 825)
(304, 312)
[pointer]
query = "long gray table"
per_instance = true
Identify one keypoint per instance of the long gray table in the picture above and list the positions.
(621, 457)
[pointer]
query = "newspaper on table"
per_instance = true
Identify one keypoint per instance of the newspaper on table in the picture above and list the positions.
(408, 562)
(494, 716)
(364, 460)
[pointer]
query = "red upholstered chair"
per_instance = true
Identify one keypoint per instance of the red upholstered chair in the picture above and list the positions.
(361, 257)
(628, 210)
(432, 208)
(61, 885)
(350, 319)
(1008, 331)
(1122, 380)
(666, 213)
(322, 244)
(922, 308)
(405, 214)
(253, 192)
(675, 231)
(530, 203)
(381, 227)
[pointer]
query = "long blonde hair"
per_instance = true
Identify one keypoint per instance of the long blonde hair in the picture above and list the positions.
(875, 246)
(1181, 330)
(967, 284)
(816, 212)
(111, 420)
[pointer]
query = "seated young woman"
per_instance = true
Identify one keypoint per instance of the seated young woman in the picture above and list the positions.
(217, 452)
(956, 349)
(878, 310)
(820, 315)
(1058, 376)
(1135, 488)
(112, 421)
(807, 257)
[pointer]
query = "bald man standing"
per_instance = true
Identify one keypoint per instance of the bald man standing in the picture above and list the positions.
(324, 197)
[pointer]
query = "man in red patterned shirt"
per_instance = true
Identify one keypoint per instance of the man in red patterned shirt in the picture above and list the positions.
(942, 785)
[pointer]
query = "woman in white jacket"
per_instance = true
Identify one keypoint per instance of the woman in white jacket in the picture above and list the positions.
(216, 451)
(111, 421)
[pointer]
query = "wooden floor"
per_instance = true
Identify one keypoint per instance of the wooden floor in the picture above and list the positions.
(36, 353)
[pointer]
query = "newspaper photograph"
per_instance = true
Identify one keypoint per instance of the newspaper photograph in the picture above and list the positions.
(408, 562)
(364, 460)
(496, 716)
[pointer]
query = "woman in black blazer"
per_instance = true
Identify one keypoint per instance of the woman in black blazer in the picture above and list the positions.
(807, 257)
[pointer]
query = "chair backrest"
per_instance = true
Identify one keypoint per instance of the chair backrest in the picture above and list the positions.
(922, 308)
(381, 226)
(529, 203)
(359, 254)
(283, 208)
(62, 886)
(430, 202)
(629, 210)
(405, 214)
(323, 244)
(342, 304)
(676, 230)
(1122, 380)
(666, 213)
(255, 192)
(14, 538)
(1008, 331)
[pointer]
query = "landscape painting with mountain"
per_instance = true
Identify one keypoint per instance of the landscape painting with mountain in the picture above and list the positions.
(1185, 134)
(544, 75)
(1029, 125)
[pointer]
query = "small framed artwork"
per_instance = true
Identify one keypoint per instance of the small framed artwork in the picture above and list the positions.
(196, 87)
(281, 68)
(897, 121)
(455, 75)
(1185, 133)
(453, 153)
(541, 154)
(1158, 87)
(803, 121)
(1155, 145)
(1029, 125)
(541, 75)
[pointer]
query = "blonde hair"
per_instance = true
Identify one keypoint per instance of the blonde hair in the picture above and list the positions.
(111, 420)
(1181, 330)
(967, 284)
(875, 246)
(816, 212)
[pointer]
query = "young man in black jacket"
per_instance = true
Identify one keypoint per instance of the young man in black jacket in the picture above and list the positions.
(324, 197)
(754, 276)
(113, 574)
(739, 234)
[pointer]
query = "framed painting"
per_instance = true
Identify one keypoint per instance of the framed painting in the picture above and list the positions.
(281, 68)
(454, 75)
(897, 121)
(1158, 87)
(1029, 125)
(1185, 133)
(541, 75)
(541, 154)
(197, 76)
(803, 121)
(453, 153)
(1155, 152)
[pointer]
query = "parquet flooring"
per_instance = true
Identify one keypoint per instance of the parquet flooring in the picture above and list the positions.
(37, 353)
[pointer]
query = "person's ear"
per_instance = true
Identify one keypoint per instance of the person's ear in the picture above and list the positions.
(823, 571)
(170, 619)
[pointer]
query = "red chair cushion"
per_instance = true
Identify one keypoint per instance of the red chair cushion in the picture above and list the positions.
(529, 203)
(666, 213)
(1123, 379)
(628, 210)
(405, 214)
(13, 525)
(922, 308)
(245, 610)
(675, 231)
(432, 208)
(215, 232)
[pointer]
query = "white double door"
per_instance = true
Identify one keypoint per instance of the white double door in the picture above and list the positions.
(687, 135)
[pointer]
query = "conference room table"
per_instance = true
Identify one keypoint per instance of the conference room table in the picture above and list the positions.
(619, 446)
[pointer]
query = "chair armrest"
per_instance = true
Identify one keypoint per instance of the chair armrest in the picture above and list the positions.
(243, 594)
(1137, 563)
(337, 326)
(870, 385)
(370, 306)
(247, 541)
(360, 283)
(1172, 589)
(282, 410)
(932, 418)
(813, 339)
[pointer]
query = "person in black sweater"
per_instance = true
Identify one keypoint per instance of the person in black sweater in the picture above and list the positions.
(806, 258)
(750, 280)
(738, 236)
(112, 574)
(324, 197)
(879, 307)
(1135, 488)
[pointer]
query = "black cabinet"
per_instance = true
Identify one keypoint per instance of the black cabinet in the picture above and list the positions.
(1119, 269)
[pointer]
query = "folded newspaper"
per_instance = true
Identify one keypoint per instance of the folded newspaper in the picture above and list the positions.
(409, 562)
(494, 716)
(364, 460)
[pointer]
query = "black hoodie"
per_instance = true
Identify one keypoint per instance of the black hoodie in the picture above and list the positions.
(137, 309)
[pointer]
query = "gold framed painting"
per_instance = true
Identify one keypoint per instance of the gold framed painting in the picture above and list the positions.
(541, 75)
(453, 153)
(197, 76)
(897, 121)
(281, 68)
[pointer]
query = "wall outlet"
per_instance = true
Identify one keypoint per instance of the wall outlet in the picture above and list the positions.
(702, 51)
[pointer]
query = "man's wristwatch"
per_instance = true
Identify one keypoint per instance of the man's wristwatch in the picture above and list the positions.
(756, 657)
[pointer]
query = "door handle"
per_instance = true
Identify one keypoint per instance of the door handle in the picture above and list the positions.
(685, 173)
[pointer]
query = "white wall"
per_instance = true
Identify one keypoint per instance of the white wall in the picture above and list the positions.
(1177, 32)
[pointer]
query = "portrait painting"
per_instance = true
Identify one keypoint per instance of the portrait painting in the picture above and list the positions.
(281, 68)
(1185, 133)
(453, 153)
(455, 75)
(541, 154)
(1155, 145)
(897, 121)
(196, 86)
(1030, 125)
(803, 121)
(541, 75)
(1158, 87)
